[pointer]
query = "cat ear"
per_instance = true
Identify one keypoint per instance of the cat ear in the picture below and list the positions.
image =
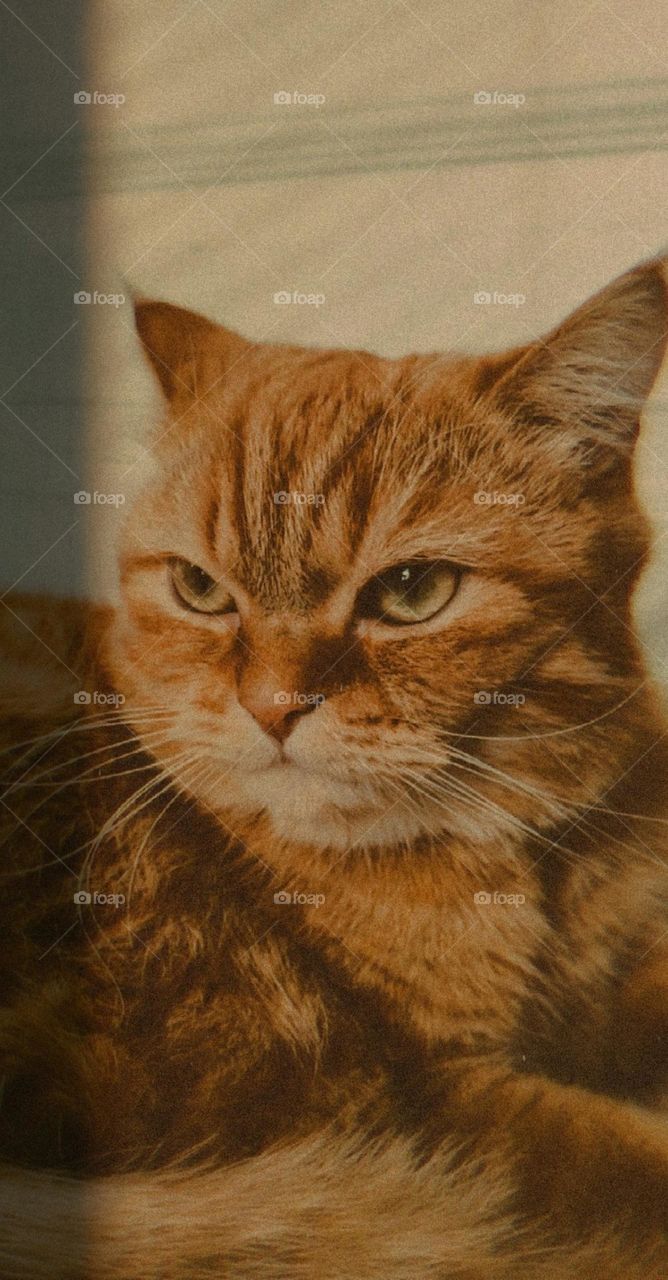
(186, 351)
(582, 388)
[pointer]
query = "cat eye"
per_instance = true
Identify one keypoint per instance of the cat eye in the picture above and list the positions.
(196, 589)
(411, 592)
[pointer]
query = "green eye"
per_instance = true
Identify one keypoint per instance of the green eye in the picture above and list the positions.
(411, 592)
(197, 590)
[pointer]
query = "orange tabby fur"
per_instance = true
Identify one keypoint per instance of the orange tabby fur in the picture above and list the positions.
(390, 1079)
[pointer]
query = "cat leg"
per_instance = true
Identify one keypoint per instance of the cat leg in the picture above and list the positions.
(580, 1163)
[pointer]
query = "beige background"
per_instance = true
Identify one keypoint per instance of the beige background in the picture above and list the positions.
(398, 197)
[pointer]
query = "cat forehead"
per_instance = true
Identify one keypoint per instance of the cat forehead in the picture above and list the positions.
(322, 424)
(295, 408)
(290, 480)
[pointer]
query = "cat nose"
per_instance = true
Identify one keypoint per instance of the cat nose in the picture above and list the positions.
(275, 660)
(276, 713)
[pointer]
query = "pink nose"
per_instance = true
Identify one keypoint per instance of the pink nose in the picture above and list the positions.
(276, 713)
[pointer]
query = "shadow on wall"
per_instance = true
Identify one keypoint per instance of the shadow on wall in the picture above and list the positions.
(43, 330)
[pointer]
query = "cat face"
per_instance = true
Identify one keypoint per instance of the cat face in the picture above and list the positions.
(355, 587)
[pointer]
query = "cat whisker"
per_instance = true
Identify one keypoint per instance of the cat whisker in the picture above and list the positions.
(463, 736)
(61, 736)
(384, 780)
(563, 812)
(92, 774)
(112, 748)
(561, 807)
(180, 786)
(100, 721)
(445, 787)
(86, 869)
(475, 800)
(126, 807)
(126, 812)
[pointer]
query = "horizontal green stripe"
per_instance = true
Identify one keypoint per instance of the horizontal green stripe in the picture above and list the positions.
(307, 142)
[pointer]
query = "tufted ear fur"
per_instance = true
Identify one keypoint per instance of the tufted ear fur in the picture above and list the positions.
(589, 378)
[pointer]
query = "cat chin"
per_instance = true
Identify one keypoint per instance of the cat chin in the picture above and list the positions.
(306, 808)
(392, 827)
(339, 829)
(321, 811)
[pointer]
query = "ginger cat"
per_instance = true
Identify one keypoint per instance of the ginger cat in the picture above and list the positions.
(336, 943)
